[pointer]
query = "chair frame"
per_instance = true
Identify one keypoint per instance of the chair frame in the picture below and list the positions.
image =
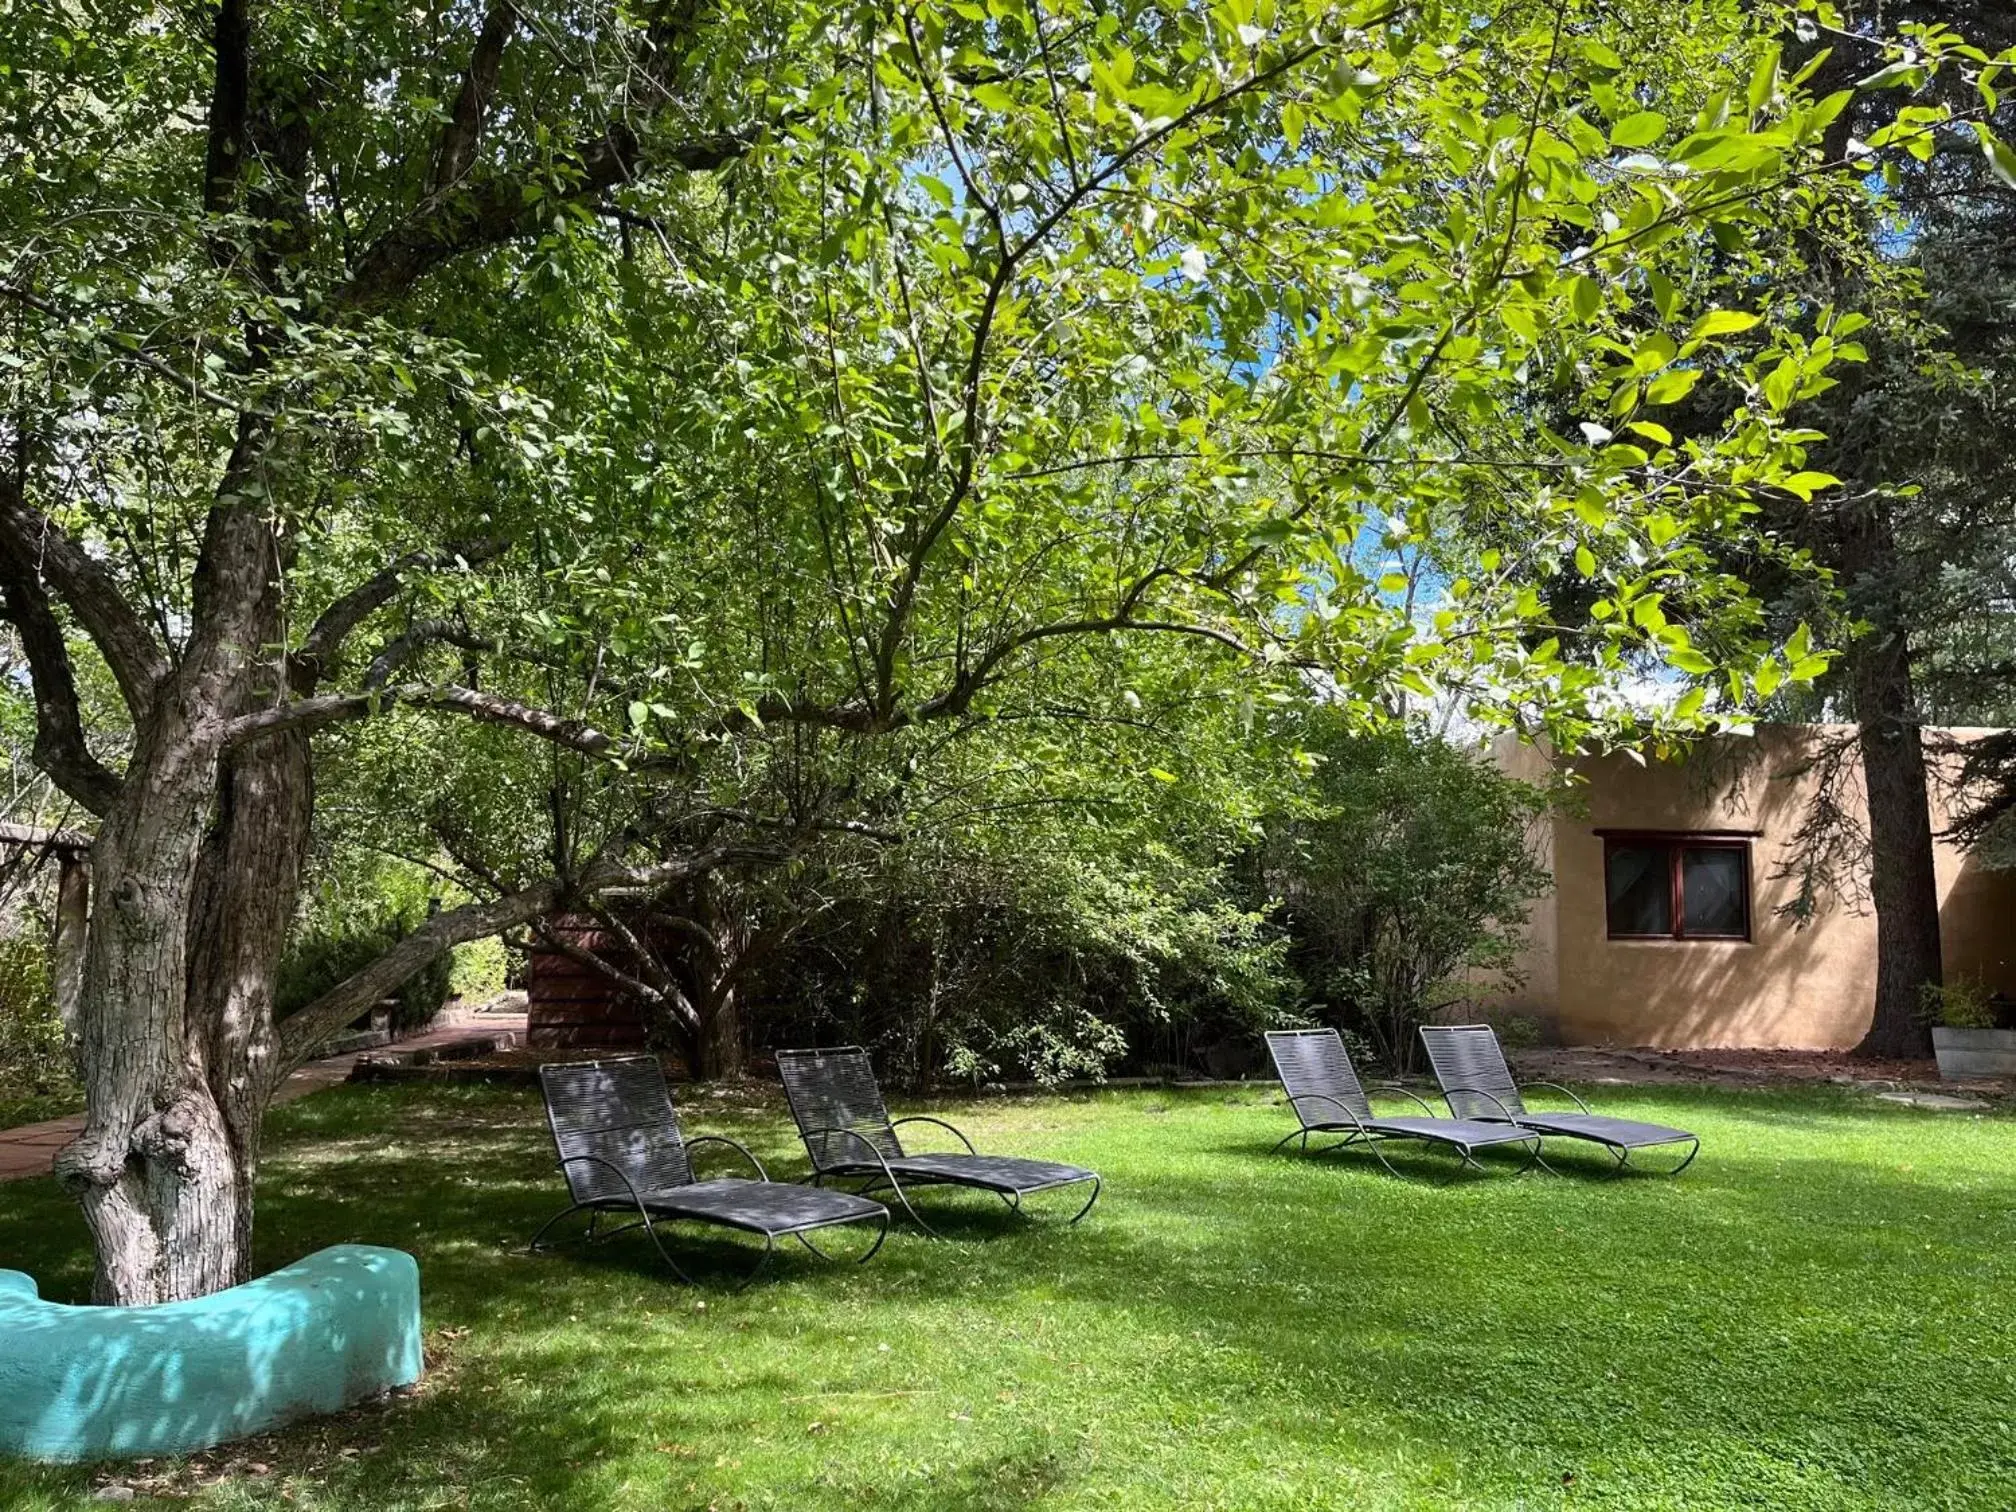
(595, 1207)
(1361, 1131)
(824, 1167)
(1523, 1118)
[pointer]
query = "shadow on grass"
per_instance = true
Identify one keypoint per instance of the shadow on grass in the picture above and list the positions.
(1755, 1331)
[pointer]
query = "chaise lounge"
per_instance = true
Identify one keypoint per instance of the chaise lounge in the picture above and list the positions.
(1324, 1090)
(849, 1135)
(622, 1151)
(1477, 1083)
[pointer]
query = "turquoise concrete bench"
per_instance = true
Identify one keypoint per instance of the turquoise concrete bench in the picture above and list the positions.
(80, 1383)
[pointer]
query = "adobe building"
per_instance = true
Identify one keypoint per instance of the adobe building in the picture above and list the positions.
(1667, 927)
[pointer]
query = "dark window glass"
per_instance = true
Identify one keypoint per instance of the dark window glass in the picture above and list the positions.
(1641, 889)
(1684, 888)
(1712, 890)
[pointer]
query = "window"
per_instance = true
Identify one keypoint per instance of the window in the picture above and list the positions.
(1680, 887)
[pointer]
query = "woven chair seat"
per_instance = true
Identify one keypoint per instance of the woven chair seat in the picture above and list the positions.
(1457, 1131)
(997, 1173)
(762, 1207)
(1630, 1133)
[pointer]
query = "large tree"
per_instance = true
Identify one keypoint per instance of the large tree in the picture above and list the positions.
(672, 384)
(1914, 537)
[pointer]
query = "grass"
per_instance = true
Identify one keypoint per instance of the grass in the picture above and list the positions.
(1819, 1314)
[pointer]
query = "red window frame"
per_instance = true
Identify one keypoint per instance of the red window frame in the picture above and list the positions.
(1676, 843)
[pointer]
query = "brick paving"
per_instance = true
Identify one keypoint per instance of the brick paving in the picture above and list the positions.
(28, 1150)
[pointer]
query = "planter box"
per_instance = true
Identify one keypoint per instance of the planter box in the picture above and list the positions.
(1967, 1054)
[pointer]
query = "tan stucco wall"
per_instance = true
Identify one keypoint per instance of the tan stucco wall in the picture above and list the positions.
(1788, 986)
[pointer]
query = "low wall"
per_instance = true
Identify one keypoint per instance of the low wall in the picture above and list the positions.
(83, 1383)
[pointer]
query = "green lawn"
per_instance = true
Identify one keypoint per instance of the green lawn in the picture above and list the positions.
(1821, 1313)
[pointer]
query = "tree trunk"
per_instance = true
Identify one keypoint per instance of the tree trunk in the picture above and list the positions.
(249, 883)
(720, 1053)
(73, 930)
(197, 867)
(154, 1169)
(1902, 884)
(716, 954)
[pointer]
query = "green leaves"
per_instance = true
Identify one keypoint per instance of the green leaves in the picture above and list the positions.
(1639, 130)
(2001, 160)
(1806, 484)
(1671, 388)
(1722, 323)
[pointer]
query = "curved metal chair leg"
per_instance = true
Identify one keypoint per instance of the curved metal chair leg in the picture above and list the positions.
(1466, 1162)
(1097, 1185)
(1381, 1156)
(769, 1250)
(904, 1198)
(665, 1254)
(881, 1233)
(1541, 1160)
(1292, 1134)
(1532, 1157)
(567, 1212)
(1694, 1149)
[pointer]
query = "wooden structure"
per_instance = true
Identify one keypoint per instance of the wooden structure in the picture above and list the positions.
(570, 1004)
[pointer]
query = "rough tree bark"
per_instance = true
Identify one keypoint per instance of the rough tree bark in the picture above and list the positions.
(1902, 884)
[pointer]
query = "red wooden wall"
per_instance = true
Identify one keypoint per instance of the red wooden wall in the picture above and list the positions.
(570, 1004)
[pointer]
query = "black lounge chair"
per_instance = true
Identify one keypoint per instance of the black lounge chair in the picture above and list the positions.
(622, 1151)
(849, 1135)
(1328, 1098)
(1476, 1083)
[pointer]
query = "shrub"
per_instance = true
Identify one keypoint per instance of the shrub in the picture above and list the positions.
(1409, 867)
(1012, 966)
(480, 970)
(36, 1079)
(1962, 1004)
(324, 954)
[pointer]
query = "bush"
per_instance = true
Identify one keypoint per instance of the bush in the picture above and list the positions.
(1409, 867)
(479, 970)
(36, 1079)
(1964, 1004)
(324, 954)
(1008, 967)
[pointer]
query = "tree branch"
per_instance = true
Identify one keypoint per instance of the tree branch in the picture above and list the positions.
(459, 138)
(903, 597)
(230, 106)
(487, 708)
(401, 649)
(559, 944)
(131, 353)
(60, 748)
(376, 591)
(464, 216)
(303, 1032)
(39, 548)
